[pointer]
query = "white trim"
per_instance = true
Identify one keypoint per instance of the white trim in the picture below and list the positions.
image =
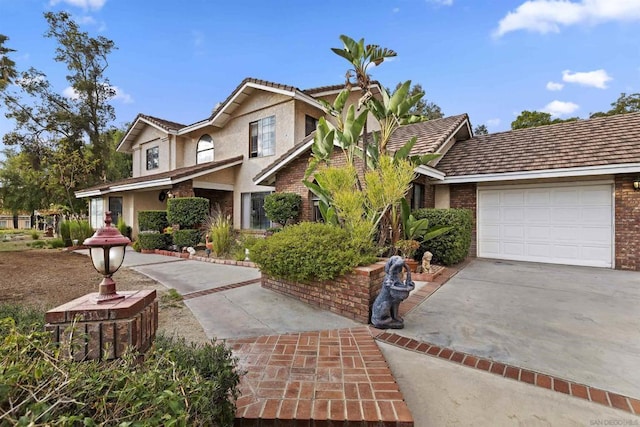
(430, 172)
(545, 173)
(286, 161)
(546, 184)
(91, 193)
(161, 129)
(139, 185)
(208, 171)
(213, 185)
(293, 94)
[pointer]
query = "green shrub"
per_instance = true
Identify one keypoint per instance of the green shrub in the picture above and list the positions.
(136, 245)
(152, 221)
(174, 384)
(35, 235)
(220, 229)
(452, 247)
(187, 212)
(309, 251)
(56, 243)
(27, 319)
(186, 238)
(80, 230)
(65, 233)
(123, 228)
(283, 208)
(38, 244)
(150, 240)
(245, 241)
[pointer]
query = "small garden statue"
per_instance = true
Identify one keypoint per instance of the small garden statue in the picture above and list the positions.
(385, 313)
(426, 262)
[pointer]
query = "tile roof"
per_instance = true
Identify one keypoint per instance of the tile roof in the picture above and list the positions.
(174, 174)
(594, 142)
(314, 90)
(165, 124)
(430, 134)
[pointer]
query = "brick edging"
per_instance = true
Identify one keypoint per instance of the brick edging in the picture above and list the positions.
(560, 385)
(223, 261)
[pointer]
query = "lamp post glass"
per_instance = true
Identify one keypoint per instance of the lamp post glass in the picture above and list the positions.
(107, 248)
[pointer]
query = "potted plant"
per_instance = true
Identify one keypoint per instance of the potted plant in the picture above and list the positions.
(407, 248)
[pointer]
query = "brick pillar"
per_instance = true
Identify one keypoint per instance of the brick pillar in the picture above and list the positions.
(627, 223)
(183, 189)
(464, 196)
(106, 330)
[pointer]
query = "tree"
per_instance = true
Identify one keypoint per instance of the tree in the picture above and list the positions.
(68, 138)
(423, 107)
(530, 119)
(23, 188)
(362, 57)
(7, 66)
(624, 104)
(481, 130)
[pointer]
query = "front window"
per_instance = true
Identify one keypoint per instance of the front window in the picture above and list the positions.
(115, 206)
(205, 150)
(153, 158)
(262, 137)
(310, 124)
(417, 196)
(96, 213)
(253, 215)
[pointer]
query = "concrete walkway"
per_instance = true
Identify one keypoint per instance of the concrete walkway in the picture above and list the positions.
(437, 392)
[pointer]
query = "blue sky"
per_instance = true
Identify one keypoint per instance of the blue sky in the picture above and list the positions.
(488, 58)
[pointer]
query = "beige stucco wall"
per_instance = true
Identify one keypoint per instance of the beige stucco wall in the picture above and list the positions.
(303, 109)
(442, 197)
(148, 138)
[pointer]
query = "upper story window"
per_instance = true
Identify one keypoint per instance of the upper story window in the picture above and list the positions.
(204, 152)
(310, 124)
(262, 137)
(153, 158)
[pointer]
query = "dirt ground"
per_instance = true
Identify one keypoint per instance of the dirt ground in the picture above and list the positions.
(47, 278)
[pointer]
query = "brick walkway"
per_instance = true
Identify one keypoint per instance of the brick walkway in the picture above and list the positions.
(316, 378)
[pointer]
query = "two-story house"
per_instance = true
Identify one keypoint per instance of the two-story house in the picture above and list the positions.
(216, 158)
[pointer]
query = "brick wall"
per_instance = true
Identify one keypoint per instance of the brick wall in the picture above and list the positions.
(627, 224)
(218, 199)
(91, 331)
(183, 189)
(350, 295)
(464, 196)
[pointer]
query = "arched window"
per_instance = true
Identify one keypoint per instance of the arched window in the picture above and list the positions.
(205, 149)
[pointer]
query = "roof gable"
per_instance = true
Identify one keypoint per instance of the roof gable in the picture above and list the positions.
(595, 142)
(138, 125)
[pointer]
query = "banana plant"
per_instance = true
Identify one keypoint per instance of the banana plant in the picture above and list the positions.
(418, 229)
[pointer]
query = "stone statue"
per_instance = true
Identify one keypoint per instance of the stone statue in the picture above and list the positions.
(385, 312)
(426, 262)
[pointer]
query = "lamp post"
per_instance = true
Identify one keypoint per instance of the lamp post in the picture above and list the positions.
(107, 248)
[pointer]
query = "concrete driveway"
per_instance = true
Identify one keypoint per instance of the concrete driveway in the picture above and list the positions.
(577, 323)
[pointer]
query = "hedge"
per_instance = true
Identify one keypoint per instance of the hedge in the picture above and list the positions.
(452, 247)
(153, 240)
(187, 212)
(309, 251)
(152, 221)
(186, 238)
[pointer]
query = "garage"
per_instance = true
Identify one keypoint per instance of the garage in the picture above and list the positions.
(560, 224)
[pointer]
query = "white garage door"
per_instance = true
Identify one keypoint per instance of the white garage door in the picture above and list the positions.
(562, 225)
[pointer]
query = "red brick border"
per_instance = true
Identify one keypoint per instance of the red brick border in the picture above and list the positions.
(560, 385)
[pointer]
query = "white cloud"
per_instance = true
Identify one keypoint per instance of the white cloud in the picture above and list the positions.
(597, 78)
(553, 86)
(395, 10)
(86, 20)
(493, 122)
(70, 93)
(120, 95)
(84, 4)
(441, 2)
(560, 108)
(546, 16)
